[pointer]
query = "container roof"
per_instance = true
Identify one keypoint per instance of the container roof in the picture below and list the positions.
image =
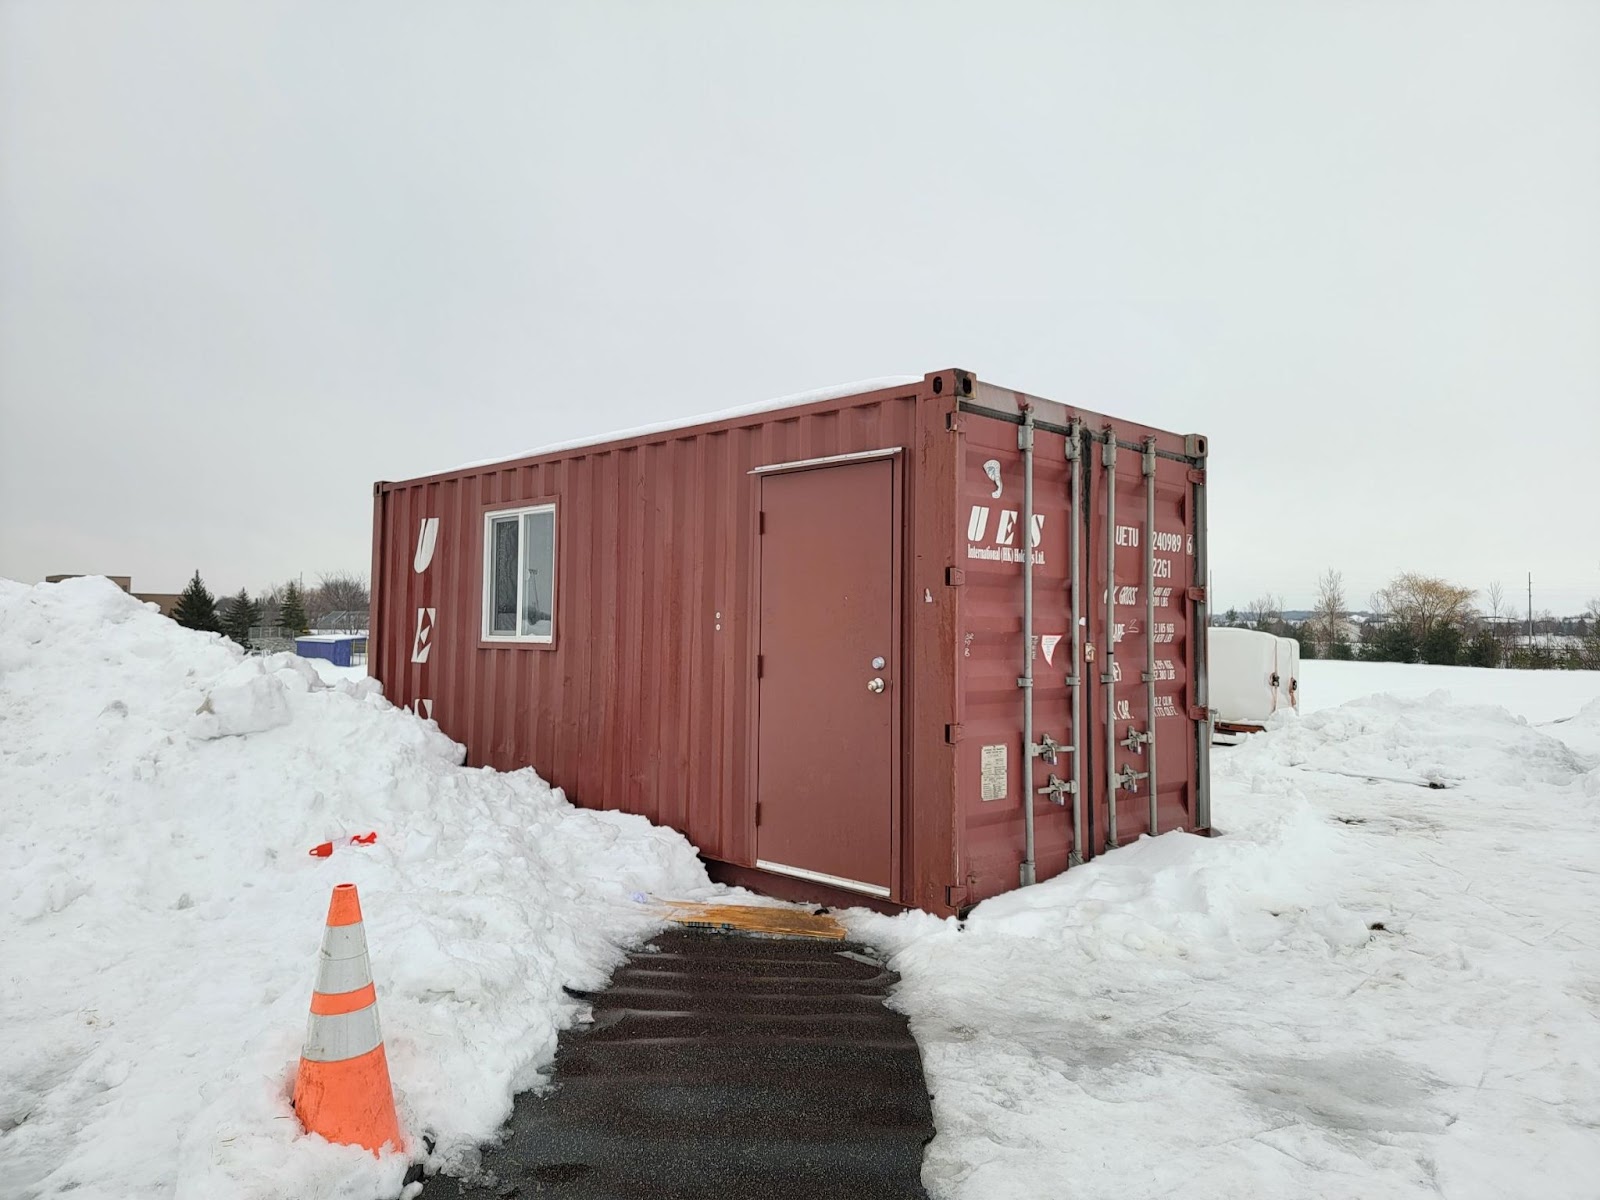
(796, 400)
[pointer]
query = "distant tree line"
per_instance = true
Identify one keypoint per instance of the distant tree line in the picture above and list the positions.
(278, 611)
(1422, 618)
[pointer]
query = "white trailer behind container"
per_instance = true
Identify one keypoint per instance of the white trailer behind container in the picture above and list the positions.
(1253, 675)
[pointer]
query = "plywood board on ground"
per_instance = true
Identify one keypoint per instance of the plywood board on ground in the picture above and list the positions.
(771, 921)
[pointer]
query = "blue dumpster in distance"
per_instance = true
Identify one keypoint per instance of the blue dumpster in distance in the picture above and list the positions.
(341, 649)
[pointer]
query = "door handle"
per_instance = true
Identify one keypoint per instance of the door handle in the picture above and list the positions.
(875, 685)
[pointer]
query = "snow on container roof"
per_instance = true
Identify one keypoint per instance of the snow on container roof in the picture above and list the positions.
(794, 400)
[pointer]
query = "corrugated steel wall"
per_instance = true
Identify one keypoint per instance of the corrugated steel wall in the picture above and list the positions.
(645, 700)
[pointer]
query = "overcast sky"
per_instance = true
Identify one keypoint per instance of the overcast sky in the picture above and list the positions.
(254, 256)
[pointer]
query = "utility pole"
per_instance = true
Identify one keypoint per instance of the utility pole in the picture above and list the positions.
(1530, 610)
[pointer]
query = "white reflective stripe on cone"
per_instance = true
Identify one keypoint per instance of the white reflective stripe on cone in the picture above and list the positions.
(335, 975)
(347, 1035)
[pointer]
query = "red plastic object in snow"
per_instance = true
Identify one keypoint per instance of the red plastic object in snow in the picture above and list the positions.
(325, 850)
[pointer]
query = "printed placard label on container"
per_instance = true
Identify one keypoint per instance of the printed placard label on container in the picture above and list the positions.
(993, 770)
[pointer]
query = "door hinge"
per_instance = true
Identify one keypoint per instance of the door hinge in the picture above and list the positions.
(953, 734)
(761, 523)
(1074, 440)
(955, 895)
(761, 665)
(954, 577)
(1196, 475)
(758, 812)
(1198, 712)
(1197, 594)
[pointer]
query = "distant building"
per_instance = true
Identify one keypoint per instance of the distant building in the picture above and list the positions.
(1560, 642)
(165, 601)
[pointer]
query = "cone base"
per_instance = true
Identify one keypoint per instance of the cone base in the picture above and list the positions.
(350, 1102)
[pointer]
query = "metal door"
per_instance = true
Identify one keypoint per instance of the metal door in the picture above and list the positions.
(828, 693)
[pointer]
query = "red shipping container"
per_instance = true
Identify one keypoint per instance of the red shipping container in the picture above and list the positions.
(907, 647)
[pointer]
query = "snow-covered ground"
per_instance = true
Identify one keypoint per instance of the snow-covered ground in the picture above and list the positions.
(1539, 696)
(1370, 987)
(160, 916)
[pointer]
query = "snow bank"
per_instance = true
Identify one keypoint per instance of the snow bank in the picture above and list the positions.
(1427, 741)
(1367, 987)
(1537, 695)
(160, 916)
(1582, 733)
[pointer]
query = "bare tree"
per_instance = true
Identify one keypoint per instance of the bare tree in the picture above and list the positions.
(268, 597)
(1591, 643)
(1423, 602)
(339, 592)
(1265, 613)
(1495, 601)
(1498, 611)
(1328, 617)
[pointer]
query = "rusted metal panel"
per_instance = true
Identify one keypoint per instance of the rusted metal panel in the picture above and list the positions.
(646, 697)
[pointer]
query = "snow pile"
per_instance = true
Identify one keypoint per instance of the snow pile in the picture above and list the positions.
(1428, 741)
(1368, 987)
(1582, 733)
(160, 916)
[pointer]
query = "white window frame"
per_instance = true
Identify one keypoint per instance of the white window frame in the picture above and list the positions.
(490, 516)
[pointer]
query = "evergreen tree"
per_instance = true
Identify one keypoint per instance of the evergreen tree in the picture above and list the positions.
(1591, 651)
(239, 615)
(1391, 642)
(1308, 643)
(292, 611)
(1531, 658)
(1441, 645)
(197, 607)
(1482, 651)
(1341, 650)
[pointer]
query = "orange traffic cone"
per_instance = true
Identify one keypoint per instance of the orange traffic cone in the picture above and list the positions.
(343, 1090)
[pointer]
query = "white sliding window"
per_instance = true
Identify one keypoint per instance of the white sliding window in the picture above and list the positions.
(519, 574)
